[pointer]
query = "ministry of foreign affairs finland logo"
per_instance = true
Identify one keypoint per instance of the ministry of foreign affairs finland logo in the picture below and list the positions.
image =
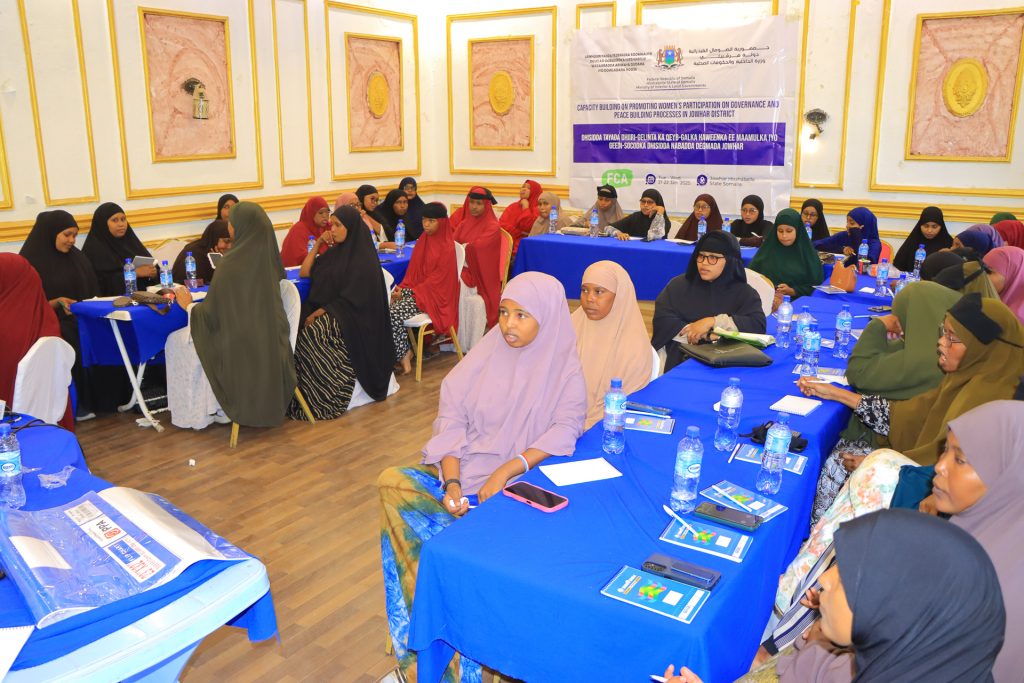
(670, 57)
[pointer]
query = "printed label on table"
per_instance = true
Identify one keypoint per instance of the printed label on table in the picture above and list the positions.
(103, 530)
(710, 538)
(80, 514)
(656, 594)
(739, 498)
(746, 452)
(136, 560)
(647, 423)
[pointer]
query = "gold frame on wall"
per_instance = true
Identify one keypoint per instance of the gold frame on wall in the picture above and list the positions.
(594, 5)
(143, 11)
(921, 18)
(7, 201)
(348, 94)
(640, 4)
(134, 193)
(451, 18)
(412, 19)
(469, 89)
(873, 183)
(309, 96)
(48, 199)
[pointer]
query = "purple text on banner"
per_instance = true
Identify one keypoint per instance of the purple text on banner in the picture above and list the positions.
(724, 144)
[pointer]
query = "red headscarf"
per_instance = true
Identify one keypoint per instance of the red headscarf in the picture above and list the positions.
(293, 251)
(22, 300)
(432, 275)
(516, 220)
(1012, 232)
(482, 237)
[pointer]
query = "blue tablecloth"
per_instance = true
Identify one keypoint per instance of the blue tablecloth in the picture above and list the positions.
(650, 264)
(50, 449)
(519, 590)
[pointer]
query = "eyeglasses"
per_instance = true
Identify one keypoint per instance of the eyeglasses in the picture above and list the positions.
(949, 337)
(710, 259)
(701, 206)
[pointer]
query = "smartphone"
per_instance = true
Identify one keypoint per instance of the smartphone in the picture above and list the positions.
(728, 516)
(214, 258)
(879, 309)
(644, 408)
(684, 572)
(140, 261)
(535, 496)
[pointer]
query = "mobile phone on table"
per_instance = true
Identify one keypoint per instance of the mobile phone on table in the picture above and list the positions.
(728, 516)
(644, 408)
(679, 570)
(879, 309)
(535, 496)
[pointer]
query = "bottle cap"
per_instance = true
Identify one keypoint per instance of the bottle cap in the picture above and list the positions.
(5, 430)
(616, 383)
(846, 307)
(920, 246)
(885, 260)
(734, 381)
(188, 253)
(785, 297)
(165, 262)
(127, 260)
(693, 431)
(807, 308)
(782, 418)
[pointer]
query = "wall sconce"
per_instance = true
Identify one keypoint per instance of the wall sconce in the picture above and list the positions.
(818, 119)
(200, 104)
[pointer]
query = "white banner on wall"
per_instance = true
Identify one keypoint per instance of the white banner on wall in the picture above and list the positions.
(685, 111)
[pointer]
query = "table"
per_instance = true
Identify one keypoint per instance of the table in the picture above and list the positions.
(650, 264)
(519, 590)
(854, 297)
(153, 632)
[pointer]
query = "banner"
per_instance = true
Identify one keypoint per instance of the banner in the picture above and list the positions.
(685, 111)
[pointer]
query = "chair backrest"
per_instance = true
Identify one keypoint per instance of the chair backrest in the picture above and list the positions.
(657, 363)
(460, 258)
(887, 251)
(168, 250)
(389, 282)
(292, 308)
(506, 256)
(764, 288)
(44, 374)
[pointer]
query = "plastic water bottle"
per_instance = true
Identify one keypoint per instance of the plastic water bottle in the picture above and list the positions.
(812, 350)
(130, 282)
(614, 440)
(726, 225)
(803, 321)
(785, 315)
(595, 231)
(166, 278)
(310, 245)
(776, 447)
(810, 231)
(190, 271)
(862, 254)
(844, 327)
(657, 229)
(729, 409)
(882, 278)
(686, 478)
(400, 237)
(900, 284)
(702, 227)
(919, 256)
(12, 492)
(553, 220)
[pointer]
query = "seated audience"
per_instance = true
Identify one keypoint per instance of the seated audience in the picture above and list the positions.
(751, 227)
(930, 231)
(968, 277)
(704, 206)
(638, 224)
(224, 205)
(608, 212)
(545, 202)
(215, 239)
(480, 232)
(1007, 277)
(981, 238)
(313, 222)
(1001, 216)
(812, 211)
(1012, 232)
(861, 225)
(517, 218)
(109, 243)
(939, 261)
(414, 214)
(369, 204)
(788, 258)
(394, 208)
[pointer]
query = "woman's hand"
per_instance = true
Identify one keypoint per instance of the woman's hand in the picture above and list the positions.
(326, 237)
(494, 484)
(812, 386)
(453, 502)
(685, 675)
(851, 461)
(785, 289)
(183, 296)
(62, 303)
(313, 316)
(927, 505)
(396, 294)
(388, 245)
(814, 633)
(810, 600)
(893, 328)
(698, 329)
(848, 251)
(660, 209)
(146, 271)
(622, 236)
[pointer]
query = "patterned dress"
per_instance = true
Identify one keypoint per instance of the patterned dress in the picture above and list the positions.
(325, 373)
(401, 310)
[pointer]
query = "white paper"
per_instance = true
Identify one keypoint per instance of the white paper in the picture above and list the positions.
(12, 639)
(795, 405)
(38, 553)
(580, 471)
(867, 290)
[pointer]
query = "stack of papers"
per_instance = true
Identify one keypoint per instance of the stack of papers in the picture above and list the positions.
(760, 341)
(795, 405)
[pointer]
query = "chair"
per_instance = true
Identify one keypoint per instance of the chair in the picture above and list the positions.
(41, 384)
(764, 288)
(168, 250)
(506, 256)
(657, 365)
(887, 251)
(389, 281)
(423, 326)
(292, 307)
(472, 310)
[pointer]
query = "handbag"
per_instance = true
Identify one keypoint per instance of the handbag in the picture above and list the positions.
(727, 353)
(843, 277)
(154, 300)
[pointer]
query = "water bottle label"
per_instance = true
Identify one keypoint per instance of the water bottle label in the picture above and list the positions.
(693, 469)
(10, 463)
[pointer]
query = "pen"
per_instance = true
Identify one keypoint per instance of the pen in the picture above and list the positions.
(730, 498)
(679, 519)
(657, 678)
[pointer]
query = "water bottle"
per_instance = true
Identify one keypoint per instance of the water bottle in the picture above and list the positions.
(130, 283)
(702, 227)
(919, 256)
(166, 278)
(614, 419)
(810, 231)
(310, 245)
(812, 349)
(553, 220)
(400, 237)
(657, 230)
(686, 478)
(803, 321)
(190, 271)
(862, 254)
(900, 284)
(882, 278)
(726, 225)
(776, 447)
(729, 409)
(785, 315)
(844, 327)
(12, 492)
(595, 230)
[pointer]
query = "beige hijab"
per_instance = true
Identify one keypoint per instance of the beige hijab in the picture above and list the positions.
(618, 345)
(540, 226)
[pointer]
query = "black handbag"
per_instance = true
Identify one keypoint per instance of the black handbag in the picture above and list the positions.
(727, 353)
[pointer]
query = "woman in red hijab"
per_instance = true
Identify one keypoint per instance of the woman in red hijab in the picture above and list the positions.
(313, 221)
(431, 283)
(22, 300)
(480, 232)
(1012, 232)
(517, 219)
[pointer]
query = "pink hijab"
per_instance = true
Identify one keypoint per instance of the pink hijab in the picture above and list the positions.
(1009, 262)
(500, 401)
(345, 198)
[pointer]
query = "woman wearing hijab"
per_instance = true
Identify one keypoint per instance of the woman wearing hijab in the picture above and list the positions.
(712, 293)
(751, 227)
(517, 218)
(215, 239)
(480, 232)
(546, 202)
(414, 215)
(377, 233)
(1001, 216)
(224, 205)
(638, 224)
(1012, 232)
(517, 397)
(879, 624)
(394, 208)
(788, 258)
(345, 329)
(22, 300)
(608, 211)
(980, 238)
(1007, 276)
(704, 206)
(109, 243)
(861, 225)
(930, 231)
(812, 211)
(431, 284)
(234, 360)
(968, 277)
(313, 222)
(369, 201)
(981, 352)
(939, 261)
(611, 337)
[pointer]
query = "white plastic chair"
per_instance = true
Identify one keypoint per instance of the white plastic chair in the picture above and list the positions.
(168, 251)
(656, 364)
(389, 282)
(419, 326)
(44, 374)
(472, 311)
(764, 288)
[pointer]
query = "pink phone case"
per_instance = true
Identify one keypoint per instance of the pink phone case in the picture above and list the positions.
(514, 496)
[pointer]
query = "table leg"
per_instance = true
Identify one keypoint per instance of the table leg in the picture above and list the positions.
(148, 420)
(133, 400)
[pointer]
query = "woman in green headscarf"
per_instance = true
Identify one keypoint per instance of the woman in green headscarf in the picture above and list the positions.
(1002, 216)
(788, 258)
(239, 365)
(970, 277)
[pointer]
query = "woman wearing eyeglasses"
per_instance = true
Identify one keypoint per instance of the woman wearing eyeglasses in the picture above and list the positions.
(712, 293)
(981, 352)
(704, 206)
